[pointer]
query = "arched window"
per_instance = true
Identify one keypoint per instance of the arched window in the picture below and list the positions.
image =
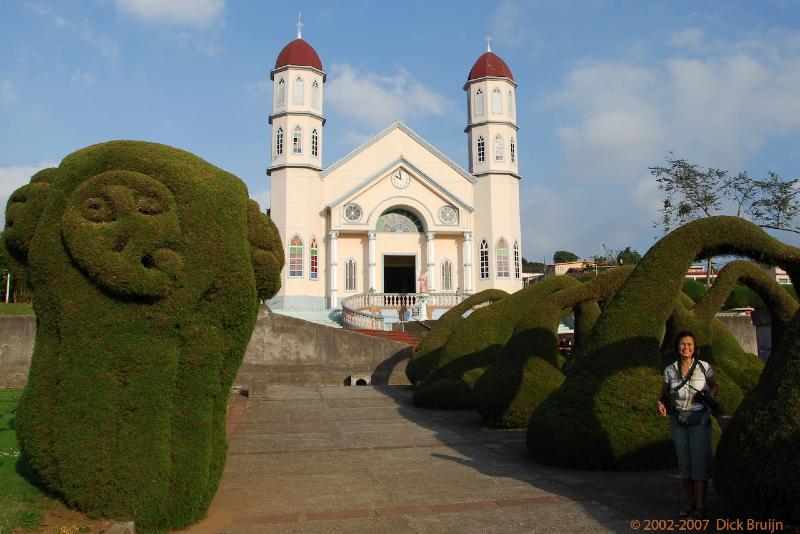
(399, 221)
(497, 101)
(350, 275)
(502, 258)
(499, 149)
(315, 94)
(314, 143)
(279, 142)
(479, 108)
(511, 104)
(296, 257)
(481, 150)
(484, 263)
(516, 260)
(298, 91)
(297, 140)
(313, 252)
(280, 99)
(447, 275)
(512, 148)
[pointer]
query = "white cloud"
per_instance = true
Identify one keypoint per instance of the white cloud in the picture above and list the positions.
(716, 109)
(508, 26)
(7, 91)
(716, 104)
(85, 79)
(260, 87)
(377, 101)
(174, 12)
(688, 38)
(12, 177)
(106, 45)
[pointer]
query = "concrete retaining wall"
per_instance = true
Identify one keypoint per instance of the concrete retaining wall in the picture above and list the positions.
(742, 328)
(282, 350)
(17, 336)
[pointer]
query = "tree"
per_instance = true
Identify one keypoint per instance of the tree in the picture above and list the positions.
(532, 266)
(628, 257)
(563, 256)
(691, 192)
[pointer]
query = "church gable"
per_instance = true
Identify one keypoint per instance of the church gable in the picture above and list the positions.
(400, 184)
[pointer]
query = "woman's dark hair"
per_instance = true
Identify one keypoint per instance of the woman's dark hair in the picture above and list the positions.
(681, 335)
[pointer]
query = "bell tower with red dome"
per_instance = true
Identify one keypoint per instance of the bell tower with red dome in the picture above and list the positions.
(494, 161)
(297, 122)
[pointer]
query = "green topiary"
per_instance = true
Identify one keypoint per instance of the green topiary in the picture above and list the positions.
(694, 289)
(527, 371)
(427, 353)
(23, 212)
(143, 281)
(757, 461)
(603, 415)
(477, 340)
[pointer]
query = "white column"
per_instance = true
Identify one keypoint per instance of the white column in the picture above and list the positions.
(468, 262)
(431, 262)
(372, 236)
(332, 263)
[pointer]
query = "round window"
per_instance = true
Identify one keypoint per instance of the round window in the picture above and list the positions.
(352, 212)
(448, 215)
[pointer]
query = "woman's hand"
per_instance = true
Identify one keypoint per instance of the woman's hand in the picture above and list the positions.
(662, 410)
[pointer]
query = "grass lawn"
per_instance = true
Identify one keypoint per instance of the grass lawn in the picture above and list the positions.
(15, 309)
(21, 503)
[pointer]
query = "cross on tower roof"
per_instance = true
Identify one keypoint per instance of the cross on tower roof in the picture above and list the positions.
(488, 43)
(299, 26)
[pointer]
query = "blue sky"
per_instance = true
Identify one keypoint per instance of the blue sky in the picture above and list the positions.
(606, 89)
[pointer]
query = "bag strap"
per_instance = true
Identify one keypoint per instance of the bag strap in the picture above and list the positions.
(688, 375)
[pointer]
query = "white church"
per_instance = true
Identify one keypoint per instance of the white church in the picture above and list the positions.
(394, 224)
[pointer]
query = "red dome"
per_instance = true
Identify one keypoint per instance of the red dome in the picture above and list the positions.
(490, 64)
(299, 53)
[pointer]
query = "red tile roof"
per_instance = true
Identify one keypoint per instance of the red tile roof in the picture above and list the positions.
(490, 64)
(300, 53)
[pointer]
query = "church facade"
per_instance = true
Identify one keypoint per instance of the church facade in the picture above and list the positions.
(395, 215)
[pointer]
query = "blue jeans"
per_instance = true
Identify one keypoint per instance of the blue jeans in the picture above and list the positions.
(693, 445)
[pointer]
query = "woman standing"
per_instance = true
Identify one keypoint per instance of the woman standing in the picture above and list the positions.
(690, 420)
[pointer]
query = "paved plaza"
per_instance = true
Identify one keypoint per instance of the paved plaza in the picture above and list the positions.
(364, 459)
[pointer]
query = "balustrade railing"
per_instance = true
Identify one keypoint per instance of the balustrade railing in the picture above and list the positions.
(354, 315)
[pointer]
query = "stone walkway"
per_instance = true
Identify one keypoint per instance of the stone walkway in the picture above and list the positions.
(364, 459)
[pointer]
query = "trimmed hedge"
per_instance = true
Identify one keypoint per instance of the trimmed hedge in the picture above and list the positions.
(757, 462)
(143, 284)
(425, 356)
(23, 212)
(477, 340)
(602, 416)
(527, 370)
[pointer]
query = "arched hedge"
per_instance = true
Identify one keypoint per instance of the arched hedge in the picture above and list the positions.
(476, 341)
(142, 268)
(601, 416)
(758, 458)
(527, 370)
(427, 353)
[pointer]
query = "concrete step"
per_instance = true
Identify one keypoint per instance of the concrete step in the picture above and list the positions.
(324, 317)
(400, 337)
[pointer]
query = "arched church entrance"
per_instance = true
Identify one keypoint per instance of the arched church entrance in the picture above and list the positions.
(400, 256)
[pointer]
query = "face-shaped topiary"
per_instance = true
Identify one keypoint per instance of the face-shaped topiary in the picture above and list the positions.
(142, 271)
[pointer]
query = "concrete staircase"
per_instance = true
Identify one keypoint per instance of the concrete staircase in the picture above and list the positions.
(400, 337)
(323, 317)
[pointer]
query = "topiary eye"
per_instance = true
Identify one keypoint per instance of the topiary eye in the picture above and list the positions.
(97, 209)
(147, 205)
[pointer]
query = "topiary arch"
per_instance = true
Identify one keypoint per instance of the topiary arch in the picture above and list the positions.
(602, 417)
(527, 370)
